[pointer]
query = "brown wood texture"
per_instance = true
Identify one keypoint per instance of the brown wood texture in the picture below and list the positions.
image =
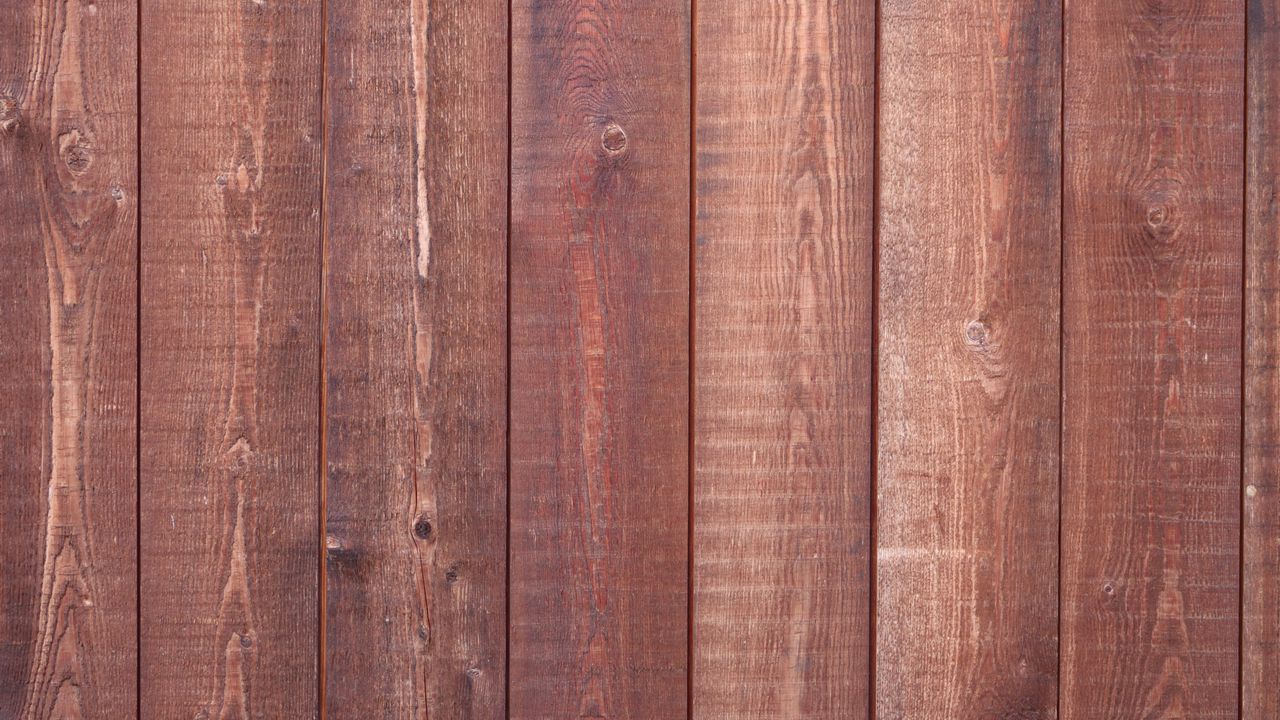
(1261, 546)
(968, 416)
(230, 246)
(416, 360)
(68, 229)
(785, 117)
(1152, 347)
(599, 359)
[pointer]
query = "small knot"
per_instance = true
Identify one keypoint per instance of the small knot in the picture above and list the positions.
(1109, 589)
(1251, 490)
(246, 641)
(613, 139)
(474, 672)
(1156, 216)
(76, 153)
(977, 334)
(422, 528)
(117, 193)
(8, 113)
(221, 180)
(451, 575)
(332, 544)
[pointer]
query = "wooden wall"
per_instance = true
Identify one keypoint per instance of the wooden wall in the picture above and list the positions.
(540, 359)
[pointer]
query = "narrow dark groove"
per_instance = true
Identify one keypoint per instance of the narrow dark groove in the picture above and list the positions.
(1062, 314)
(322, 472)
(137, 362)
(874, 421)
(693, 314)
(506, 655)
(1244, 366)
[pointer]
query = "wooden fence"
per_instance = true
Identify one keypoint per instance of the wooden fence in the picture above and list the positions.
(647, 359)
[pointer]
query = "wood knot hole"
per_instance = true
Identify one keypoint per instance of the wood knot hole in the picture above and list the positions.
(977, 334)
(422, 528)
(246, 641)
(1157, 216)
(613, 139)
(1109, 589)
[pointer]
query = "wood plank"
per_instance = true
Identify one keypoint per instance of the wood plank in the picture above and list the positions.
(1261, 580)
(230, 358)
(68, 206)
(1152, 285)
(599, 359)
(783, 375)
(969, 363)
(416, 359)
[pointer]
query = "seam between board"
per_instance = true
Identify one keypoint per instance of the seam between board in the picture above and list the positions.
(322, 599)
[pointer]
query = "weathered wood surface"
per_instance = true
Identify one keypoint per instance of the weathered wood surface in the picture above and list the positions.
(968, 360)
(964, 336)
(231, 150)
(415, 360)
(785, 117)
(1261, 579)
(68, 225)
(599, 359)
(1152, 326)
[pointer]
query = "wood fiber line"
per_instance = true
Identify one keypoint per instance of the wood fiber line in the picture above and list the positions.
(416, 360)
(1261, 581)
(599, 359)
(1152, 407)
(68, 209)
(968, 421)
(784, 266)
(230, 311)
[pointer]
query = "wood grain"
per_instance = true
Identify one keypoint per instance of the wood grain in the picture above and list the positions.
(1152, 286)
(785, 122)
(1261, 580)
(68, 213)
(599, 359)
(416, 360)
(968, 371)
(230, 359)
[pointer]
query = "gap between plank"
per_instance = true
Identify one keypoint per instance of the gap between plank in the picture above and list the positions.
(1062, 311)
(874, 421)
(506, 655)
(322, 604)
(1244, 364)
(137, 362)
(693, 308)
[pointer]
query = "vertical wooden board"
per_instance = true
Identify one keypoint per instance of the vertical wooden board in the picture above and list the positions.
(782, 431)
(968, 381)
(415, 359)
(599, 359)
(230, 358)
(1152, 304)
(68, 209)
(1261, 581)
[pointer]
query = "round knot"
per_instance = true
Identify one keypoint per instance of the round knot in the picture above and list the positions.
(422, 528)
(613, 139)
(976, 333)
(76, 153)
